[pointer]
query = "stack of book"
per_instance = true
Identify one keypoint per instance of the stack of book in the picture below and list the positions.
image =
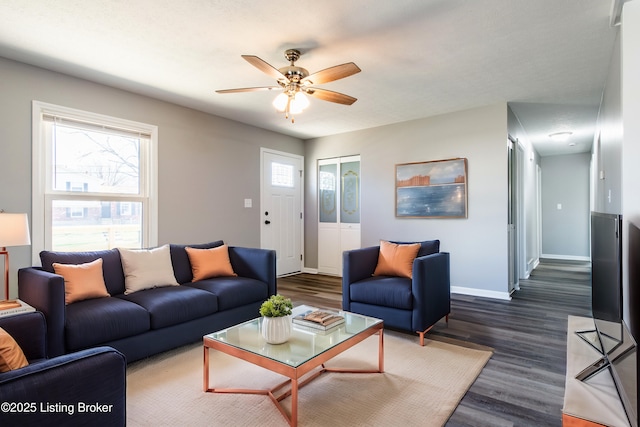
(318, 319)
(14, 306)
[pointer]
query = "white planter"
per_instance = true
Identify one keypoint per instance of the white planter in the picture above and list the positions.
(276, 330)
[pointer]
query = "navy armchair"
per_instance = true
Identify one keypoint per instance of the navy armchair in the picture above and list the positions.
(83, 388)
(410, 304)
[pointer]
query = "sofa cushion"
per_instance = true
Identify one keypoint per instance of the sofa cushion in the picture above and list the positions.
(385, 291)
(427, 247)
(97, 321)
(175, 304)
(82, 281)
(147, 268)
(208, 263)
(111, 265)
(396, 259)
(11, 355)
(233, 292)
(180, 259)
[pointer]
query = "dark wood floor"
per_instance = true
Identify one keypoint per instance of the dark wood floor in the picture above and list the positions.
(523, 383)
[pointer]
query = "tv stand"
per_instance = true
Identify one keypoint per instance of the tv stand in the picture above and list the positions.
(594, 402)
(604, 362)
(590, 336)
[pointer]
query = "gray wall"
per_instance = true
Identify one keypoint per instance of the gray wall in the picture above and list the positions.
(620, 150)
(565, 181)
(631, 140)
(200, 155)
(478, 244)
(607, 146)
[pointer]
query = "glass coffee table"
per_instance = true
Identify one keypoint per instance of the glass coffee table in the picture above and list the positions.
(301, 359)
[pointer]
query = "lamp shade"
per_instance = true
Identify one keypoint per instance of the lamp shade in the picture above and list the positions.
(14, 229)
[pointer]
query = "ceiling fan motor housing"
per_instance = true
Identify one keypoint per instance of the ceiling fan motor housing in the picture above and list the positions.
(293, 73)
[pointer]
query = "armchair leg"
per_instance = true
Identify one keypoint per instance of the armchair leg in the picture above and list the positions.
(421, 333)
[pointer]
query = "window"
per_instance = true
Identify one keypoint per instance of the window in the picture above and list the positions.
(94, 181)
(281, 175)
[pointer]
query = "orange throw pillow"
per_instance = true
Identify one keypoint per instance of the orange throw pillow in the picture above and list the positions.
(11, 355)
(396, 260)
(82, 281)
(208, 263)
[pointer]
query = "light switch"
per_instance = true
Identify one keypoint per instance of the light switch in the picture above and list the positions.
(559, 206)
(248, 203)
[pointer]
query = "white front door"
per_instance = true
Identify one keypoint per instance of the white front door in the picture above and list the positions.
(281, 209)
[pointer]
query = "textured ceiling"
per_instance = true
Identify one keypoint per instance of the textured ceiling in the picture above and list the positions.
(419, 58)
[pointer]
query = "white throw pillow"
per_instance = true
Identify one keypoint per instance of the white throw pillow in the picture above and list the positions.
(147, 268)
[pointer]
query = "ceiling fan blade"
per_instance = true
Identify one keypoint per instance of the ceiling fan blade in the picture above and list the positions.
(333, 73)
(264, 67)
(248, 89)
(331, 96)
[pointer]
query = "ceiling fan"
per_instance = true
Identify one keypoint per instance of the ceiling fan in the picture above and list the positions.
(296, 82)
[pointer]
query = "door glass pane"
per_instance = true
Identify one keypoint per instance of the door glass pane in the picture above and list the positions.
(350, 191)
(79, 225)
(327, 186)
(281, 175)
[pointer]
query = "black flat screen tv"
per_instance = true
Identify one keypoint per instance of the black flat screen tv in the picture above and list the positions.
(612, 336)
(624, 360)
(606, 287)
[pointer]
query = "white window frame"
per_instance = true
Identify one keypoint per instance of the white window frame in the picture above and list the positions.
(41, 168)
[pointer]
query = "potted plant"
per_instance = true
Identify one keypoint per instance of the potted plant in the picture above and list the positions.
(276, 321)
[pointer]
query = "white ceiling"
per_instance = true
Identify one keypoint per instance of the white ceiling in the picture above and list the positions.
(419, 58)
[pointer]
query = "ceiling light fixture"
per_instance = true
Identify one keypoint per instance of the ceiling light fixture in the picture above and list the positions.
(297, 83)
(291, 102)
(560, 136)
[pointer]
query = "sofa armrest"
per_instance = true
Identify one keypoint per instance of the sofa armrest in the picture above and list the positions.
(431, 289)
(29, 330)
(357, 264)
(70, 382)
(45, 292)
(259, 264)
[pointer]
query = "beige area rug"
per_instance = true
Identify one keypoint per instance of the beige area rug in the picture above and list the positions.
(420, 386)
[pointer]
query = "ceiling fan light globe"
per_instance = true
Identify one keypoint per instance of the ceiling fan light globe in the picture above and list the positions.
(280, 102)
(299, 102)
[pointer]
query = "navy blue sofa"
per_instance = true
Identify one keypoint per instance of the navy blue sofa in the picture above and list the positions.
(151, 321)
(87, 387)
(413, 305)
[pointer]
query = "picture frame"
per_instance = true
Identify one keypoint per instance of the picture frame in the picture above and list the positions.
(432, 189)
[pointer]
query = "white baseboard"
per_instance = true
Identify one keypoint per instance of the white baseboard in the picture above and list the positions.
(536, 263)
(480, 293)
(310, 270)
(566, 257)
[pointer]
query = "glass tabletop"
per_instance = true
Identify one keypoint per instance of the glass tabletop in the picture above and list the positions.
(304, 343)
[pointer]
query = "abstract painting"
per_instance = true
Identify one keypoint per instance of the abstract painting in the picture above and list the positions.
(433, 189)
